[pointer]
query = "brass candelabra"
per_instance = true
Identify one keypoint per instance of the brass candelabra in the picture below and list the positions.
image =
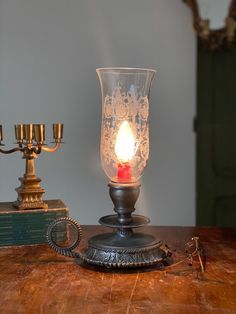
(30, 139)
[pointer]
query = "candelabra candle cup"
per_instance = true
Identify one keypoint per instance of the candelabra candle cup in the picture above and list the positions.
(28, 133)
(39, 133)
(57, 132)
(19, 133)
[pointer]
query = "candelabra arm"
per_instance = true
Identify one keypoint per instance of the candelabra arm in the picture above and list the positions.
(9, 151)
(51, 149)
(37, 150)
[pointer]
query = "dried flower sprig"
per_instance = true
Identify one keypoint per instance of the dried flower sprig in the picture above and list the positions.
(193, 248)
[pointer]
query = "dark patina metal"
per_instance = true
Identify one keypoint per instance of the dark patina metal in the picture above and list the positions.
(123, 247)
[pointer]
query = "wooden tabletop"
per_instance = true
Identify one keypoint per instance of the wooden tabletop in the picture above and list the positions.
(34, 279)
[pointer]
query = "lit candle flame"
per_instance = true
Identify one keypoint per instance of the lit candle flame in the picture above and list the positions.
(125, 143)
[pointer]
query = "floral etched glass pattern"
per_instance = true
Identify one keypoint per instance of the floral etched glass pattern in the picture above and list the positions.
(124, 131)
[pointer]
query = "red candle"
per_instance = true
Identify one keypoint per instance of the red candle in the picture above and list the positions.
(124, 171)
(125, 151)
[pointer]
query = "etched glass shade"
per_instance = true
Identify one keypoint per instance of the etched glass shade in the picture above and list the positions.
(124, 131)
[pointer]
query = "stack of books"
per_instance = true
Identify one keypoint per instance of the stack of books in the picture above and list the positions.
(23, 227)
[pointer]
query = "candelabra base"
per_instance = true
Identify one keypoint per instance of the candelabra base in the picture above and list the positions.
(29, 205)
(132, 250)
(30, 194)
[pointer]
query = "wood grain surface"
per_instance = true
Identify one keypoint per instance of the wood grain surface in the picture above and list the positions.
(34, 279)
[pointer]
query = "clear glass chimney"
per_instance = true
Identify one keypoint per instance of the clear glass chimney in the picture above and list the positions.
(125, 130)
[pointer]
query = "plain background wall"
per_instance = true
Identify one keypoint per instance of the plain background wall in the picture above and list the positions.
(49, 50)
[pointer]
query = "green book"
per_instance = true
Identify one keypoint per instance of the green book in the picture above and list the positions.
(22, 227)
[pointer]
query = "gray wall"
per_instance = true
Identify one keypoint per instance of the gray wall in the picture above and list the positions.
(49, 50)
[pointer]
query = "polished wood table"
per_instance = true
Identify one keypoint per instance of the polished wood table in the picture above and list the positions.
(34, 279)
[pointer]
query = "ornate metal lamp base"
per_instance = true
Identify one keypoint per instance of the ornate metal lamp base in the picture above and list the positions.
(122, 248)
(113, 250)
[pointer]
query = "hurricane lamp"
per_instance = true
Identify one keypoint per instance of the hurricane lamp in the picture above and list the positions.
(124, 153)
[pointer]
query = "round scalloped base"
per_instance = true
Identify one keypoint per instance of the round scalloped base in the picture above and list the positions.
(113, 251)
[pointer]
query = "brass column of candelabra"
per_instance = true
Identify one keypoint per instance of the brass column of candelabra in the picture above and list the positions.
(30, 139)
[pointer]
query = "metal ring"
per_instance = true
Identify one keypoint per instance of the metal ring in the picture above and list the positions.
(67, 251)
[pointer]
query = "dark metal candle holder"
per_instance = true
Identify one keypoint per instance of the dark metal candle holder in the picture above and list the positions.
(122, 248)
(124, 153)
(30, 139)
